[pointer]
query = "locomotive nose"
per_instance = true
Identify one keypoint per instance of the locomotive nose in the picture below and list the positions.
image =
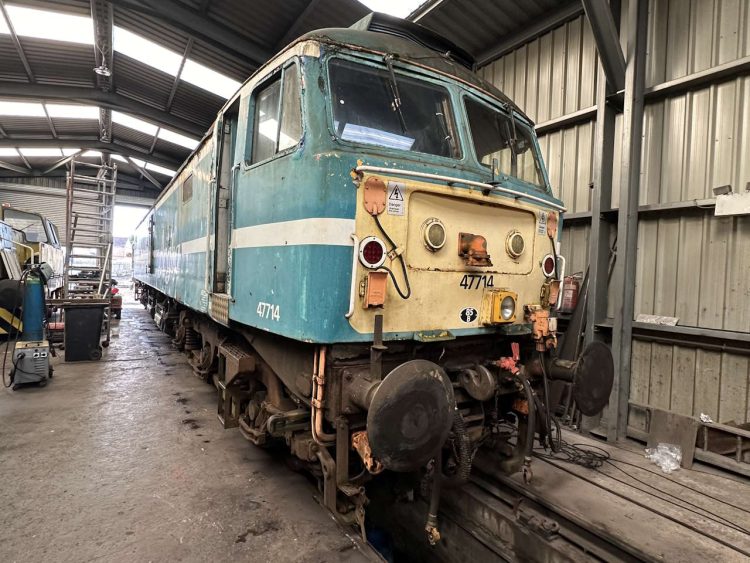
(410, 415)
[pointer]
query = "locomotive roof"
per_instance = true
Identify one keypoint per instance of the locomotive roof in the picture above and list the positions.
(409, 51)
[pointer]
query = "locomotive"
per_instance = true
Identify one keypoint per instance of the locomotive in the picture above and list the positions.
(362, 255)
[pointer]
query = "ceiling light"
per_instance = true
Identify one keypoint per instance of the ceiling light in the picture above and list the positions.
(72, 112)
(208, 79)
(177, 139)
(8, 151)
(70, 152)
(146, 52)
(56, 26)
(21, 109)
(134, 123)
(160, 169)
(40, 151)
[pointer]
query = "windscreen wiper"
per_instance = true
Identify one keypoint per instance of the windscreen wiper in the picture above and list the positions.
(396, 97)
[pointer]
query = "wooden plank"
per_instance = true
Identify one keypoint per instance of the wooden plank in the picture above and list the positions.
(689, 256)
(737, 287)
(661, 376)
(573, 69)
(639, 382)
(733, 388)
(707, 378)
(532, 80)
(665, 276)
(606, 507)
(723, 487)
(585, 167)
(683, 380)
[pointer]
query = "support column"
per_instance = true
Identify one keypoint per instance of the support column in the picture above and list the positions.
(627, 222)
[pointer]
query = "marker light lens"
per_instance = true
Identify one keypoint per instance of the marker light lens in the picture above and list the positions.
(548, 265)
(372, 252)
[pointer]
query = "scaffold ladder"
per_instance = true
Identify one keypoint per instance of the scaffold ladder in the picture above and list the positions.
(89, 221)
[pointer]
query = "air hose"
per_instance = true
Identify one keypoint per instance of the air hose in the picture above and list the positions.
(463, 452)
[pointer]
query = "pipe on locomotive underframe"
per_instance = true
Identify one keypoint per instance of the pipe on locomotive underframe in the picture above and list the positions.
(318, 400)
(526, 431)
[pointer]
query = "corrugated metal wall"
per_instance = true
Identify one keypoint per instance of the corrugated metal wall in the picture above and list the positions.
(693, 265)
(46, 195)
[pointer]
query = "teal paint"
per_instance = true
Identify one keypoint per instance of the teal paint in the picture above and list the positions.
(302, 291)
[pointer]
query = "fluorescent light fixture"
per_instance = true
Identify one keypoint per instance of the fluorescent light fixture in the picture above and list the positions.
(4, 30)
(160, 169)
(8, 151)
(177, 139)
(138, 162)
(146, 52)
(69, 152)
(370, 136)
(134, 123)
(72, 111)
(56, 26)
(210, 80)
(398, 8)
(119, 157)
(21, 109)
(40, 151)
(96, 154)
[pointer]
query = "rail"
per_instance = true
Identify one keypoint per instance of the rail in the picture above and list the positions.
(453, 180)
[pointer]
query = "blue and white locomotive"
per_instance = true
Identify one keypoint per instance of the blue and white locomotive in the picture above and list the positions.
(362, 255)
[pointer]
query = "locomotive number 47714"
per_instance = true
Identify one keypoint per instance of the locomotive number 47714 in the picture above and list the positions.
(477, 281)
(268, 311)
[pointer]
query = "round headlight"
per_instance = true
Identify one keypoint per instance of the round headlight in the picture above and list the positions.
(508, 308)
(514, 244)
(433, 231)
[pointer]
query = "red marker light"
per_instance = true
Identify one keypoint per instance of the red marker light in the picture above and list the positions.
(548, 265)
(372, 252)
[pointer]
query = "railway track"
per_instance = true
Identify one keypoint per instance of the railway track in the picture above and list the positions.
(572, 513)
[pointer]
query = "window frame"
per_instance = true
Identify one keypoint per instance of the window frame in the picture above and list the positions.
(25, 235)
(545, 187)
(276, 74)
(414, 74)
(182, 189)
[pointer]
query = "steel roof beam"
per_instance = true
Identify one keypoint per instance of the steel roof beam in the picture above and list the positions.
(17, 43)
(15, 168)
(195, 23)
(291, 33)
(530, 32)
(144, 173)
(607, 40)
(109, 100)
(61, 162)
(93, 144)
(176, 82)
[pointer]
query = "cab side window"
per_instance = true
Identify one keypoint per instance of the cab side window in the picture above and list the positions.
(277, 122)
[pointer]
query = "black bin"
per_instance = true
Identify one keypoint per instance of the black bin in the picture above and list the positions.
(83, 332)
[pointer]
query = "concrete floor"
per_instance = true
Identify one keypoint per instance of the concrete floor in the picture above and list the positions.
(124, 460)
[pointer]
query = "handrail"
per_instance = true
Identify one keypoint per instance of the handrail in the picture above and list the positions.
(353, 288)
(482, 185)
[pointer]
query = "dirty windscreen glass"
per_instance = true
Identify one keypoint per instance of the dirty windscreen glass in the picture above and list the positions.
(495, 136)
(30, 224)
(365, 110)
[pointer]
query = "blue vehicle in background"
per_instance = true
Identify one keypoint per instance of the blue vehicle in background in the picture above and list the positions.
(363, 256)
